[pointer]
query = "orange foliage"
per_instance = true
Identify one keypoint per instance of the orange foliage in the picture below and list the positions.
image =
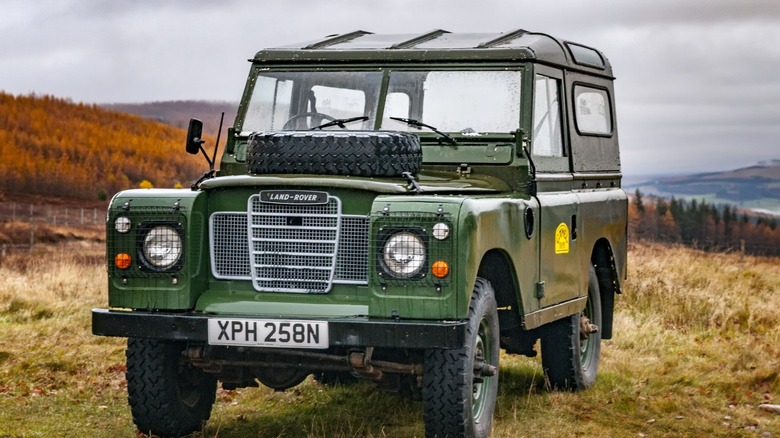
(53, 147)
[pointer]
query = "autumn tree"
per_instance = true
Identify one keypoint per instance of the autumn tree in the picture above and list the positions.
(55, 147)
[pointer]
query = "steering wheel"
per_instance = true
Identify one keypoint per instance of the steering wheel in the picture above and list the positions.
(293, 123)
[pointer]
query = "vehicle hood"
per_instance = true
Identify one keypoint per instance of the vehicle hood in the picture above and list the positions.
(429, 183)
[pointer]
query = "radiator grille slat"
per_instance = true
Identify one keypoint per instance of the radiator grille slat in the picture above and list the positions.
(290, 248)
(297, 234)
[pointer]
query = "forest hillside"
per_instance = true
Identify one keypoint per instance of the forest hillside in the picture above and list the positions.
(179, 112)
(756, 187)
(53, 147)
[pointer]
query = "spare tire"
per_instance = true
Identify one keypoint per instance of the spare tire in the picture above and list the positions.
(357, 153)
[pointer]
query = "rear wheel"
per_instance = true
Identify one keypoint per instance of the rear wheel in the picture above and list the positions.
(167, 395)
(571, 346)
(460, 385)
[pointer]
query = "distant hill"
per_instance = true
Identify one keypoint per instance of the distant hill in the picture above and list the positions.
(53, 147)
(755, 187)
(179, 112)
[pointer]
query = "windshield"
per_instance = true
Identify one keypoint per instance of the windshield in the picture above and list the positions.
(454, 101)
(305, 100)
(466, 102)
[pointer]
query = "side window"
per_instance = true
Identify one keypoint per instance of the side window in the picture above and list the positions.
(592, 111)
(547, 135)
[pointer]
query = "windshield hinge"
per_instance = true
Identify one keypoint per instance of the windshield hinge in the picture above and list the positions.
(464, 170)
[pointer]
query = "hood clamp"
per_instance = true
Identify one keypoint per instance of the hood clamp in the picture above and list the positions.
(412, 183)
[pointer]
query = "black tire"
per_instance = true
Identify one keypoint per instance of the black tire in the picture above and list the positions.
(457, 401)
(569, 361)
(167, 395)
(356, 153)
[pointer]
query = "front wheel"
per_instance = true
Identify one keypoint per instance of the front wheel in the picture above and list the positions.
(571, 346)
(167, 395)
(460, 385)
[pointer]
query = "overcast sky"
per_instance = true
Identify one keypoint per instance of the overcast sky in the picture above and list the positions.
(698, 81)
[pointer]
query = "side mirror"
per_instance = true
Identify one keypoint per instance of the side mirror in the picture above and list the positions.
(194, 136)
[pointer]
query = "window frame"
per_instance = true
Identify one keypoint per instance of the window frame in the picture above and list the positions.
(550, 164)
(610, 111)
(560, 96)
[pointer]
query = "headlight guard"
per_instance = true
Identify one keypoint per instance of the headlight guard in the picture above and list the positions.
(402, 253)
(160, 246)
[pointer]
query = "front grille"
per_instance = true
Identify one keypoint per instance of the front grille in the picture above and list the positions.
(352, 257)
(290, 248)
(229, 246)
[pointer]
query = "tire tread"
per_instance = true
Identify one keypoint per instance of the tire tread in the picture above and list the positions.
(355, 153)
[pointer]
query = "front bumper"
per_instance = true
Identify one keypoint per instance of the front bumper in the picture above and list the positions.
(348, 332)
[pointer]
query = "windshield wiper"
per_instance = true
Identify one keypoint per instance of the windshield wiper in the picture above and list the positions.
(419, 124)
(339, 122)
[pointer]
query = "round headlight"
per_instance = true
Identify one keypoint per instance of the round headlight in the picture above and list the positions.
(162, 246)
(122, 224)
(404, 254)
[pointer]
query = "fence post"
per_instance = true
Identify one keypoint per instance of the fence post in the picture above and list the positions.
(82, 216)
(66, 216)
(32, 226)
(741, 251)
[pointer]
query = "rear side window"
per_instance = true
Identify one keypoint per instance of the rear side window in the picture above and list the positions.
(586, 56)
(592, 111)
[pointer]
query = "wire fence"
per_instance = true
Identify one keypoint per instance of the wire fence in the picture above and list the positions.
(739, 246)
(52, 214)
(60, 215)
(37, 221)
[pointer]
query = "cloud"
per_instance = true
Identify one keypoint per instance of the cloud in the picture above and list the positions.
(697, 81)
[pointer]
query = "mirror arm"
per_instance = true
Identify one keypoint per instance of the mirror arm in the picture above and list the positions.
(216, 146)
(203, 151)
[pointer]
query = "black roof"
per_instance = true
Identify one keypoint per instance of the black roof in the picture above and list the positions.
(441, 45)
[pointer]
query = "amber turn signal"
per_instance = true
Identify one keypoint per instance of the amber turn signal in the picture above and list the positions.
(122, 261)
(440, 269)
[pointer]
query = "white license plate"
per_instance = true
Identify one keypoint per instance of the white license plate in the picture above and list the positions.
(268, 333)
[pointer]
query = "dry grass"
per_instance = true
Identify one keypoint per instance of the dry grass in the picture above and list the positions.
(696, 349)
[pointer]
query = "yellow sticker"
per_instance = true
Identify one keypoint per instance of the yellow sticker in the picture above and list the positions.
(562, 239)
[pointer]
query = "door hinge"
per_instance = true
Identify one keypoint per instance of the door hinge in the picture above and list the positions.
(540, 290)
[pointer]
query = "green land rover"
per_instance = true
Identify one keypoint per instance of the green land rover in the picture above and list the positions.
(389, 207)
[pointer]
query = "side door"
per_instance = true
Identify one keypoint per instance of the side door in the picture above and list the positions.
(559, 268)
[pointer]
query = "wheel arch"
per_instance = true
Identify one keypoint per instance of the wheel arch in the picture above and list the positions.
(496, 267)
(603, 260)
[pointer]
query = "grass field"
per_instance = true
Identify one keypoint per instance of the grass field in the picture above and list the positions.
(696, 350)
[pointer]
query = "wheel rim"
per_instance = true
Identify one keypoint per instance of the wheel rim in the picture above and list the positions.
(189, 386)
(480, 387)
(587, 340)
